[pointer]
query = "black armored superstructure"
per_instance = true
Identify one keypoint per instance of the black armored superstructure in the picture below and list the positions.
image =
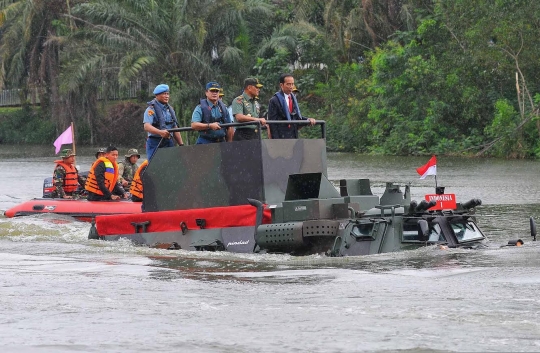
(228, 174)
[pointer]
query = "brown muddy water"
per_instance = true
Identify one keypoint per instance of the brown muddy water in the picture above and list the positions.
(60, 292)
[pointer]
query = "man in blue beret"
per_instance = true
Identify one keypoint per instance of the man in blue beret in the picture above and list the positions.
(208, 116)
(158, 117)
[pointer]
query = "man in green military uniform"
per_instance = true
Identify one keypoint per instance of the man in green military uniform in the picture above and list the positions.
(246, 108)
(128, 168)
(66, 178)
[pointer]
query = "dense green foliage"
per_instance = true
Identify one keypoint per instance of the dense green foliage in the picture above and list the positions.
(25, 126)
(391, 76)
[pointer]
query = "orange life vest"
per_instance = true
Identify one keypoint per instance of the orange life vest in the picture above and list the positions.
(71, 181)
(136, 185)
(111, 176)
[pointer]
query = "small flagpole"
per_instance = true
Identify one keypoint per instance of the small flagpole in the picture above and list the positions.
(73, 137)
(435, 182)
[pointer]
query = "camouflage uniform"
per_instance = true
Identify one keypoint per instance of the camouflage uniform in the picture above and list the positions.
(246, 105)
(59, 175)
(126, 170)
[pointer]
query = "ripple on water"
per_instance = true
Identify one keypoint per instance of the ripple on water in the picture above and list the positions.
(449, 300)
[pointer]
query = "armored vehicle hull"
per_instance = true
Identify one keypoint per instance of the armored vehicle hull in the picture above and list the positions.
(274, 196)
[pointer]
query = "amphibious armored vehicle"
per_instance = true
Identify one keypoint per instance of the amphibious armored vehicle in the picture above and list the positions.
(274, 196)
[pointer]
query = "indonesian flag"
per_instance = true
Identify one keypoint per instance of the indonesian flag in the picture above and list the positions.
(430, 168)
(65, 138)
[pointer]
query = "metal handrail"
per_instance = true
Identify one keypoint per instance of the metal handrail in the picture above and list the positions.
(322, 123)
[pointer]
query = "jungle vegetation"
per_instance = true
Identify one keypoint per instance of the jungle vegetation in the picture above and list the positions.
(399, 77)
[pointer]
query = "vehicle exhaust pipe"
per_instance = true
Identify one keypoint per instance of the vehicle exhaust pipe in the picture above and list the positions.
(258, 218)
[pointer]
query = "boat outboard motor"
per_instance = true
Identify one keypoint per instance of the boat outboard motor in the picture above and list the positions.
(533, 228)
(93, 233)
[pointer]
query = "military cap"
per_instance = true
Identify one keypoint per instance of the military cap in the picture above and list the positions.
(161, 88)
(213, 86)
(251, 81)
(294, 89)
(221, 94)
(133, 152)
(100, 150)
(66, 153)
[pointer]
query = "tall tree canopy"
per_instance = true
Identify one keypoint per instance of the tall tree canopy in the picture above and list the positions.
(389, 76)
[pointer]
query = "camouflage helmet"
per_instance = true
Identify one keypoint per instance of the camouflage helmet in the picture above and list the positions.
(133, 152)
(66, 153)
(101, 150)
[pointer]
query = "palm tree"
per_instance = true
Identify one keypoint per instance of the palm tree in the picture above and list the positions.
(236, 29)
(29, 52)
(181, 42)
(359, 25)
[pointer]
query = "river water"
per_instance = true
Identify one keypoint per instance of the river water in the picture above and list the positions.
(62, 292)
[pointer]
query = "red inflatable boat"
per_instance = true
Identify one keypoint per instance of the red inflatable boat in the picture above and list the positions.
(82, 210)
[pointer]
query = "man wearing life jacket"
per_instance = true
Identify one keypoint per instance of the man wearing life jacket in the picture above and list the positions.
(158, 117)
(127, 168)
(284, 106)
(136, 189)
(102, 183)
(209, 115)
(66, 177)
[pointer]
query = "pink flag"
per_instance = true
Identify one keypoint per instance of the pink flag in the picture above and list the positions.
(65, 138)
(430, 168)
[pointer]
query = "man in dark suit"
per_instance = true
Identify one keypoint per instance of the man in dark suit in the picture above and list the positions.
(284, 106)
